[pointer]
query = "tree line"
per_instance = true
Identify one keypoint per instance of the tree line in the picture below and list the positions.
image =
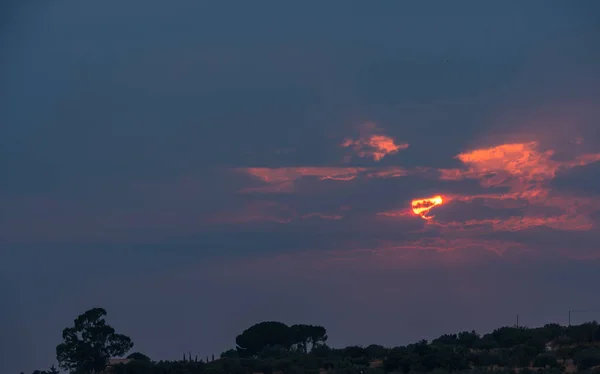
(275, 348)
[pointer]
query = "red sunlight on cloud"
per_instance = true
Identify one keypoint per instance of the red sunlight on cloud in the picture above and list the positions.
(396, 213)
(421, 207)
(373, 144)
(517, 174)
(323, 216)
(495, 166)
(524, 172)
(276, 175)
(391, 172)
(512, 165)
(281, 180)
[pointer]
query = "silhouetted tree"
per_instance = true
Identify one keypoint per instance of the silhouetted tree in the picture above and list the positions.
(230, 353)
(354, 351)
(261, 335)
(468, 338)
(323, 351)
(266, 348)
(90, 343)
(446, 339)
(376, 351)
(277, 352)
(301, 336)
(487, 342)
(138, 356)
(582, 333)
(597, 334)
(317, 335)
(52, 370)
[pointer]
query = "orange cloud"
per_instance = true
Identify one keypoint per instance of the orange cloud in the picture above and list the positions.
(523, 171)
(507, 165)
(278, 175)
(323, 216)
(373, 144)
(281, 180)
(396, 213)
(561, 222)
(518, 177)
(392, 172)
(515, 165)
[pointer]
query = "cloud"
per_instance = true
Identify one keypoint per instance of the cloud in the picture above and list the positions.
(374, 256)
(580, 180)
(519, 175)
(265, 211)
(372, 143)
(518, 166)
(506, 188)
(262, 211)
(283, 179)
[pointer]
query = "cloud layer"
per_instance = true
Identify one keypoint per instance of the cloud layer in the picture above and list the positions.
(505, 188)
(155, 160)
(500, 188)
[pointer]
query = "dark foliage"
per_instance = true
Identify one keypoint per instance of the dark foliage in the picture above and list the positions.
(90, 343)
(587, 358)
(275, 348)
(138, 356)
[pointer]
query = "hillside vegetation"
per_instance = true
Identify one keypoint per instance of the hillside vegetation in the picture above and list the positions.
(276, 348)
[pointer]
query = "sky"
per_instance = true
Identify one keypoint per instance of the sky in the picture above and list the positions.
(392, 171)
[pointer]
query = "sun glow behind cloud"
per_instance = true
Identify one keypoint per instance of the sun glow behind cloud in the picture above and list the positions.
(421, 207)
(501, 189)
(515, 192)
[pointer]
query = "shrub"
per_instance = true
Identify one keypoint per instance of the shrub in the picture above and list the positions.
(587, 358)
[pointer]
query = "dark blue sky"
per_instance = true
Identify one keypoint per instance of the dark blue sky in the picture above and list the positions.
(195, 168)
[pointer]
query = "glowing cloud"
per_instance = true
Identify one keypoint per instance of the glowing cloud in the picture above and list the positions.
(524, 173)
(518, 166)
(421, 207)
(510, 164)
(516, 179)
(281, 180)
(373, 144)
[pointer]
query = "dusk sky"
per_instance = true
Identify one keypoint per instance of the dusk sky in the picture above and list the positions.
(198, 167)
